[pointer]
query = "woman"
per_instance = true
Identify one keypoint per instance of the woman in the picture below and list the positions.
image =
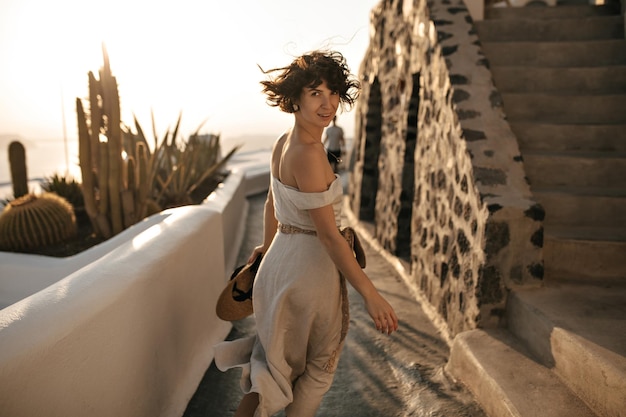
(301, 316)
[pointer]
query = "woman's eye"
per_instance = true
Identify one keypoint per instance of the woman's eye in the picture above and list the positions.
(334, 93)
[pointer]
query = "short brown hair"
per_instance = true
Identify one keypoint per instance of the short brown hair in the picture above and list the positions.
(310, 70)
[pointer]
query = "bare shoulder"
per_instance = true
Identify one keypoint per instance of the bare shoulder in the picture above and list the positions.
(310, 169)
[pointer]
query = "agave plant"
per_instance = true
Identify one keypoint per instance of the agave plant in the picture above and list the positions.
(178, 168)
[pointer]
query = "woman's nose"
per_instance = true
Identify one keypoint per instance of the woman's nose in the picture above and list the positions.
(327, 101)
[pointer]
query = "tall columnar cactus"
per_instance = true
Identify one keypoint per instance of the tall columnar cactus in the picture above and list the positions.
(110, 198)
(31, 222)
(19, 173)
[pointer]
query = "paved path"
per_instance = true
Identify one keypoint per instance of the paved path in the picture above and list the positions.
(378, 376)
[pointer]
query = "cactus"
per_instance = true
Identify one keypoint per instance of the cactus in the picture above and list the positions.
(19, 173)
(110, 188)
(30, 222)
(65, 187)
(69, 189)
(119, 192)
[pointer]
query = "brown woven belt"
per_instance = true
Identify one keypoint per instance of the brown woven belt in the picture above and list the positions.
(289, 229)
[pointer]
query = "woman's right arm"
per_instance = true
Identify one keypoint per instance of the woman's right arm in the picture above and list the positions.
(270, 224)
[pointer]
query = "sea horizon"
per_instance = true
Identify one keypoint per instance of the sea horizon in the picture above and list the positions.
(47, 157)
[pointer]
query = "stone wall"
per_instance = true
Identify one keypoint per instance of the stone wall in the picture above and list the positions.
(437, 169)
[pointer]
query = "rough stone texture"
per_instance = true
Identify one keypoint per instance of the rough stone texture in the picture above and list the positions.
(436, 167)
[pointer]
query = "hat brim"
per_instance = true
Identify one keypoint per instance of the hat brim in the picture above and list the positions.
(235, 301)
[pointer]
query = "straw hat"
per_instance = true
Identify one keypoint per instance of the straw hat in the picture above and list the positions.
(235, 301)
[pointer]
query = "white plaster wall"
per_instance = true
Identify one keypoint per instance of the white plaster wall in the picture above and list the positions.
(126, 328)
(22, 275)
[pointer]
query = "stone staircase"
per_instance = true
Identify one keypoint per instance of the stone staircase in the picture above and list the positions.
(561, 72)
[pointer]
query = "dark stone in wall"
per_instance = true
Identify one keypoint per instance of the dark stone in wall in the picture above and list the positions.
(446, 242)
(468, 279)
(467, 212)
(495, 99)
(442, 22)
(484, 62)
(536, 270)
(493, 208)
(455, 10)
(443, 309)
(444, 274)
(463, 242)
(454, 265)
(464, 184)
(473, 135)
(490, 176)
(497, 236)
(516, 274)
(441, 180)
(537, 238)
(460, 95)
(448, 50)
(536, 212)
(442, 36)
(458, 207)
(467, 114)
(489, 285)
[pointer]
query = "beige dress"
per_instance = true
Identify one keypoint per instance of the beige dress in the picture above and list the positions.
(299, 310)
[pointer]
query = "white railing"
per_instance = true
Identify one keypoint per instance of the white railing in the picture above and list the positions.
(127, 327)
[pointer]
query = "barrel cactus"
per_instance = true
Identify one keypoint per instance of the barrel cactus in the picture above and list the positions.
(34, 221)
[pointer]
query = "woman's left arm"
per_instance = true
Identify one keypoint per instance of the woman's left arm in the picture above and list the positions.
(312, 178)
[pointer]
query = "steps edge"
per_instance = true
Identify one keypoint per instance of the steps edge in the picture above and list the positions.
(525, 379)
(581, 365)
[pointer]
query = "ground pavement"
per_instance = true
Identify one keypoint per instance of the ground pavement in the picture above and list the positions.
(378, 376)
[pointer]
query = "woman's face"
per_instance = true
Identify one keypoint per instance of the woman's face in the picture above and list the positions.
(318, 105)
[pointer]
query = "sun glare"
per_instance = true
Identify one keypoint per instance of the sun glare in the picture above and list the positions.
(195, 58)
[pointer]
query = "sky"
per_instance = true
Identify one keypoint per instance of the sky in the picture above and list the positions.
(198, 58)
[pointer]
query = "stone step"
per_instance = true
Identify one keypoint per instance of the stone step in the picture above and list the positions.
(554, 30)
(590, 207)
(559, 12)
(575, 169)
(506, 380)
(585, 254)
(556, 54)
(565, 108)
(569, 137)
(579, 331)
(591, 80)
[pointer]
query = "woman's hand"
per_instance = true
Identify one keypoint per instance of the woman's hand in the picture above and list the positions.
(259, 250)
(382, 313)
